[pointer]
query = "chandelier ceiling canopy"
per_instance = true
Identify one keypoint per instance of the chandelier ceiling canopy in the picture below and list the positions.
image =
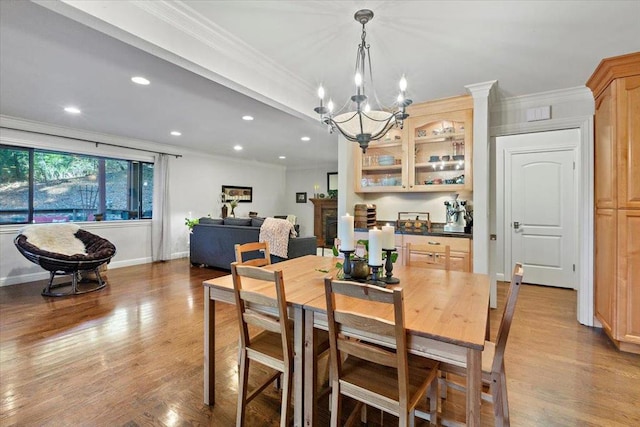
(358, 120)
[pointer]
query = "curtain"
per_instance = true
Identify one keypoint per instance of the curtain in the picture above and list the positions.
(161, 219)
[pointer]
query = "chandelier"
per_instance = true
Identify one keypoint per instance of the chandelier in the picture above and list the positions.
(360, 122)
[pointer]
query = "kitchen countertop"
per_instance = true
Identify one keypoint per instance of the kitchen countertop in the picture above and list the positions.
(437, 229)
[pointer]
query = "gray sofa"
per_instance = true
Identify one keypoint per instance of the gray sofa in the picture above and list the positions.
(212, 241)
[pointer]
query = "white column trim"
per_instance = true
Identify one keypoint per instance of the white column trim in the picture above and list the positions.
(482, 98)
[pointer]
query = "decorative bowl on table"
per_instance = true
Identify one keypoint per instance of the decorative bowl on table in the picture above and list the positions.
(386, 160)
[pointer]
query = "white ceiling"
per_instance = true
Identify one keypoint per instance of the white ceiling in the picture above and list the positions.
(48, 60)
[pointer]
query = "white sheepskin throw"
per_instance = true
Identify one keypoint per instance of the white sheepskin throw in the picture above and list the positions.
(57, 238)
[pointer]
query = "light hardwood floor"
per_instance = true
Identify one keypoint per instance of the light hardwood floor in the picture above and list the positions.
(132, 355)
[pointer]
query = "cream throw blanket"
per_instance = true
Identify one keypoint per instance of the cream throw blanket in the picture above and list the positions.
(276, 232)
(56, 238)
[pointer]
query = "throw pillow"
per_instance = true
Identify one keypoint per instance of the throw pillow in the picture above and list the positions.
(257, 222)
(207, 220)
(237, 221)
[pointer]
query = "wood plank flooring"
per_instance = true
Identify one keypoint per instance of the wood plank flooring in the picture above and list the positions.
(132, 355)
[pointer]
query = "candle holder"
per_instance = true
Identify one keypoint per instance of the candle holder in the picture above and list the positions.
(346, 265)
(388, 266)
(375, 278)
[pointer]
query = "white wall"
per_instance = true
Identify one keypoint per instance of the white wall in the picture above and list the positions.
(571, 108)
(303, 181)
(195, 184)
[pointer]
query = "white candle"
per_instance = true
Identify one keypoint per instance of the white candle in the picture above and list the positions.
(375, 246)
(346, 233)
(388, 237)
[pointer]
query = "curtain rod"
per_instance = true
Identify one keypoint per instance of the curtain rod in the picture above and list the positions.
(92, 141)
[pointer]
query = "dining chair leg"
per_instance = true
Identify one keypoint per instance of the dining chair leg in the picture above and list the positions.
(285, 407)
(433, 402)
(443, 385)
(243, 380)
(335, 404)
(505, 400)
(496, 394)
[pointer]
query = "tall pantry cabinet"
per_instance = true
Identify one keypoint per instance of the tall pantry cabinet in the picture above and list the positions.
(616, 88)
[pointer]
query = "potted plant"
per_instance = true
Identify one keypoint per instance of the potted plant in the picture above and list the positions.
(190, 223)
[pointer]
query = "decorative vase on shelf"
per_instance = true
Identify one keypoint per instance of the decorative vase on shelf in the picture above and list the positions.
(225, 209)
(232, 214)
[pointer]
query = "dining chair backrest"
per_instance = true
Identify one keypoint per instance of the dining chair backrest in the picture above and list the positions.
(242, 249)
(347, 317)
(507, 317)
(247, 303)
(432, 255)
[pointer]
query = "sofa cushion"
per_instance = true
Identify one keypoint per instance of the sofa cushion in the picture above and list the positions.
(237, 221)
(257, 222)
(207, 220)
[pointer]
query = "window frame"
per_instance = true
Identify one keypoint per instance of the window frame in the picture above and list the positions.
(134, 194)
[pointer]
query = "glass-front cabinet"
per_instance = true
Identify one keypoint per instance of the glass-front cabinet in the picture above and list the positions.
(382, 167)
(432, 153)
(441, 146)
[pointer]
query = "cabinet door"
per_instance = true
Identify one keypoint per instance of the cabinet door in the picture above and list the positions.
(460, 262)
(460, 248)
(628, 133)
(629, 276)
(380, 168)
(605, 275)
(440, 151)
(605, 152)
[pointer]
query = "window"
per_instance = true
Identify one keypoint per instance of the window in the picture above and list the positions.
(48, 186)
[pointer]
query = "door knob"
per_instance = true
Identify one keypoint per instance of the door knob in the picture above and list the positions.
(516, 225)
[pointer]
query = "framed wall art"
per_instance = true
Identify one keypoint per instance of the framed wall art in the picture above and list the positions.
(301, 197)
(234, 192)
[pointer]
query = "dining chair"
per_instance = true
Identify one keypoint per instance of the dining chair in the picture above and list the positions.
(432, 255)
(375, 369)
(273, 346)
(493, 372)
(242, 249)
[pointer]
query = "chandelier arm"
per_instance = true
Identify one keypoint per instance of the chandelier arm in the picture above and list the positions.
(346, 120)
(391, 115)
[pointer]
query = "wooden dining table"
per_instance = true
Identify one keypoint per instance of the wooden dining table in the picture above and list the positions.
(446, 317)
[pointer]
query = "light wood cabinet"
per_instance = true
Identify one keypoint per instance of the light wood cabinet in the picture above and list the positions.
(460, 248)
(628, 322)
(616, 88)
(440, 147)
(433, 152)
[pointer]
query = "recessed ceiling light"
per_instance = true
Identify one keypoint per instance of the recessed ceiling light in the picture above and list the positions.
(282, 157)
(305, 139)
(72, 110)
(140, 80)
(247, 118)
(176, 133)
(237, 147)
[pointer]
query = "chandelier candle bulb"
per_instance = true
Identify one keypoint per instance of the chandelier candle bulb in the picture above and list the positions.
(388, 237)
(347, 234)
(375, 246)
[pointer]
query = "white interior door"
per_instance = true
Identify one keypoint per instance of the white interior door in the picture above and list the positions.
(540, 210)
